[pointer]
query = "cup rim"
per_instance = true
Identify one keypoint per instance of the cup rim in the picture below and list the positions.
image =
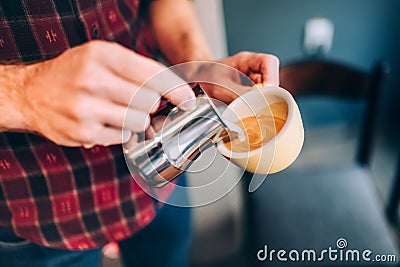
(278, 91)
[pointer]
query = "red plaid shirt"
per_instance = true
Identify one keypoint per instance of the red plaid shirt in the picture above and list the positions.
(70, 198)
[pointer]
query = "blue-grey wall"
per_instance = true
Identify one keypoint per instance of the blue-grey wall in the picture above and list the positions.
(365, 30)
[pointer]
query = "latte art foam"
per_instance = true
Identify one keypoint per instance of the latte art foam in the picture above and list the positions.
(261, 128)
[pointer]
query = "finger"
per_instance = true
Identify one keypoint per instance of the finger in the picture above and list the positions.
(121, 91)
(256, 77)
(128, 64)
(126, 135)
(265, 64)
(58, 133)
(109, 136)
(88, 146)
(145, 100)
(229, 92)
(150, 133)
(134, 67)
(100, 110)
(223, 94)
(270, 70)
(137, 121)
(173, 88)
(114, 88)
(92, 109)
(158, 122)
(72, 137)
(181, 98)
(128, 118)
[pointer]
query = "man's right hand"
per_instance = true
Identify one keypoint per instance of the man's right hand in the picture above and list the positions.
(80, 98)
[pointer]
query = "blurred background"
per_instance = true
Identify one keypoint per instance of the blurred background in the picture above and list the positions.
(357, 34)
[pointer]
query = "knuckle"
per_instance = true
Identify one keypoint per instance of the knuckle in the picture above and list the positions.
(80, 110)
(90, 53)
(275, 59)
(85, 134)
(244, 54)
(118, 118)
(114, 45)
(76, 111)
(93, 47)
(103, 48)
(90, 133)
(271, 57)
(86, 77)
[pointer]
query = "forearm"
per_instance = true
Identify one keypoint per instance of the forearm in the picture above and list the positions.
(177, 31)
(13, 81)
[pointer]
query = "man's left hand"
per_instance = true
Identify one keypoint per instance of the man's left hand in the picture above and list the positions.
(259, 68)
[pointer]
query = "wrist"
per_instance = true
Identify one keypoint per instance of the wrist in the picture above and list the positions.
(14, 83)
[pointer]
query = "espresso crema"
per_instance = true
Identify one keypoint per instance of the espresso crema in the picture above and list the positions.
(261, 128)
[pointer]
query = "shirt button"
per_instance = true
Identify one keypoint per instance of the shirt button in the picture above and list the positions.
(95, 32)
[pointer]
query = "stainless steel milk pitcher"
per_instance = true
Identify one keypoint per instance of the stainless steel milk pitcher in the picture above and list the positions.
(173, 149)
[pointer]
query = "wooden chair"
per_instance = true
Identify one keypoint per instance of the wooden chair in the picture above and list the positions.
(324, 205)
(323, 77)
(392, 208)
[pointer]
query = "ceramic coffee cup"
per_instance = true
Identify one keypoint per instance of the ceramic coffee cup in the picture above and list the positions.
(280, 151)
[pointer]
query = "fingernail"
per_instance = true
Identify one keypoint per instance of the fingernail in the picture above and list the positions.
(258, 86)
(126, 135)
(188, 104)
(270, 84)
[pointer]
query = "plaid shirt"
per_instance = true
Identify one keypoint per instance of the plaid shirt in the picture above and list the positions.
(70, 198)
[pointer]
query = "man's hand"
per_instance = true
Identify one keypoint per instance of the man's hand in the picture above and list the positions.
(81, 97)
(261, 68)
(226, 79)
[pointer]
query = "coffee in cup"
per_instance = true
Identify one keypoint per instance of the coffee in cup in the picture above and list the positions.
(273, 127)
(260, 128)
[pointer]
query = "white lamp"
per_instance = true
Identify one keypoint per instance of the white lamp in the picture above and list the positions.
(318, 35)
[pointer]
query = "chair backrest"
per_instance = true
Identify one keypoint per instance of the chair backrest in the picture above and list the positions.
(392, 208)
(322, 76)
